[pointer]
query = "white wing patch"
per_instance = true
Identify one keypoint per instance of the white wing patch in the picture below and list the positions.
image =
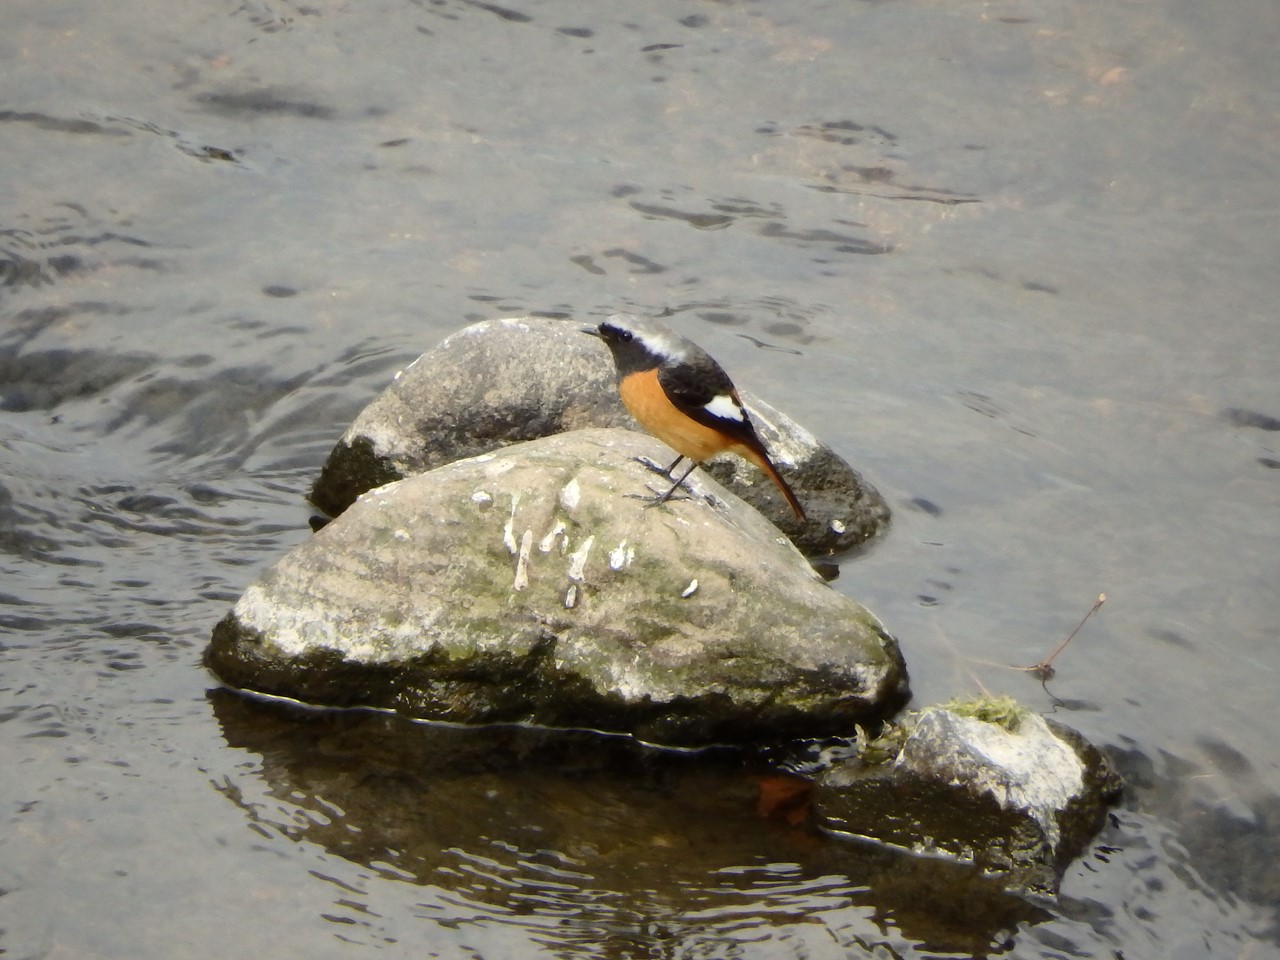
(726, 408)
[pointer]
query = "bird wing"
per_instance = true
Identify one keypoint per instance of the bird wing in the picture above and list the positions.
(704, 392)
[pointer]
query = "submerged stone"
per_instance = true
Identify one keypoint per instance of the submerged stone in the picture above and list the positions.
(529, 585)
(1019, 799)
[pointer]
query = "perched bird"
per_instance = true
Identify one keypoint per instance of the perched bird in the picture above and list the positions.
(677, 392)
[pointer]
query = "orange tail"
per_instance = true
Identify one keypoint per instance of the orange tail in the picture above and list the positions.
(761, 460)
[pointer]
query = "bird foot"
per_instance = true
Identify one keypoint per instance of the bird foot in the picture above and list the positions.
(659, 496)
(665, 495)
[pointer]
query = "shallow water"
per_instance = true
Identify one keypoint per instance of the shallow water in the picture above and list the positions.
(1016, 262)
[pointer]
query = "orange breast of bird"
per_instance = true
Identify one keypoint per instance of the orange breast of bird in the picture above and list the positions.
(645, 399)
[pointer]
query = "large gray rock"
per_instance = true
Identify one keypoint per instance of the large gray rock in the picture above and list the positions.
(528, 585)
(501, 382)
(1019, 798)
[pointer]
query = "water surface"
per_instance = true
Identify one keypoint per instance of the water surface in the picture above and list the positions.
(1014, 261)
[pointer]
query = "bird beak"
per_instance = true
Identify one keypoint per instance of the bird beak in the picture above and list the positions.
(591, 331)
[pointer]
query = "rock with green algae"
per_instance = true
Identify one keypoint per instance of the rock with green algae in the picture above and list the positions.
(983, 781)
(529, 585)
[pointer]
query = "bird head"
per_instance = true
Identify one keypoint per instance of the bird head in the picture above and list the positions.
(637, 343)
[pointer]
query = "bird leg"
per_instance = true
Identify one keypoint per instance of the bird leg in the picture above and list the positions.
(675, 486)
(669, 494)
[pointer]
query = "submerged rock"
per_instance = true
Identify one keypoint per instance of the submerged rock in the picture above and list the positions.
(664, 830)
(528, 585)
(1018, 798)
(501, 382)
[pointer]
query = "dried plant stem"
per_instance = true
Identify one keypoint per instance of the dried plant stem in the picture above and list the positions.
(1044, 669)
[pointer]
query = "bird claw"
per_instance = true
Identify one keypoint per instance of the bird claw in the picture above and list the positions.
(658, 501)
(662, 496)
(659, 496)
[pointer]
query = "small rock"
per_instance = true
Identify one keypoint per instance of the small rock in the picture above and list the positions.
(527, 585)
(501, 382)
(1018, 802)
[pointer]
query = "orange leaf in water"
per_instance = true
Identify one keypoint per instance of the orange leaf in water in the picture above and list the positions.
(784, 798)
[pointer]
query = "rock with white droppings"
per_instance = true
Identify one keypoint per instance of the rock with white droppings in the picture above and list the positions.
(500, 382)
(620, 556)
(556, 533)
(470, 621)
(578, 559)
(569, 495)
(522, 561)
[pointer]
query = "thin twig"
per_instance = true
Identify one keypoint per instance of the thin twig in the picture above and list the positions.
(1044, 669)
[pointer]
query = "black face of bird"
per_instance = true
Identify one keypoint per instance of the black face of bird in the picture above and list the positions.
(630, 350)
(610, 333)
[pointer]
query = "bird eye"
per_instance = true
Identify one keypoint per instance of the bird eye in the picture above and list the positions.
(624, 336)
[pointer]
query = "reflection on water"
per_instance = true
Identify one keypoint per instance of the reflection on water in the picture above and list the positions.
(596, 845)
(590, 846)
